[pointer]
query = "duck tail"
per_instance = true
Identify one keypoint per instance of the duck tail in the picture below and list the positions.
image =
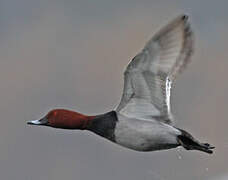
(190, 143)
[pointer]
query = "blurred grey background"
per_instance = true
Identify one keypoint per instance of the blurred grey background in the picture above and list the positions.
(71, 54)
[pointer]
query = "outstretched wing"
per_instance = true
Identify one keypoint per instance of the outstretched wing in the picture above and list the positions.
(148, 77)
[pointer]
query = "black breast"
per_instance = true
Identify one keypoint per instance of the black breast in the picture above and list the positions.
(104, 125)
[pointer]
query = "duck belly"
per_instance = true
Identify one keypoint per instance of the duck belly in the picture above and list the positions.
(143, 135)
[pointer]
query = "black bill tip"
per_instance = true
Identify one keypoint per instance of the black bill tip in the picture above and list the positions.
(42, 121)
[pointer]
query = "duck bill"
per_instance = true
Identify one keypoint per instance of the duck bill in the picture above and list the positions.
(42, 121)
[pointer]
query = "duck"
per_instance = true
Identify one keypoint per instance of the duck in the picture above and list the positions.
(143, 120)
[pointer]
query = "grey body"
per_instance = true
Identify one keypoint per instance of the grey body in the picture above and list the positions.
(136, 134)
(144, 135)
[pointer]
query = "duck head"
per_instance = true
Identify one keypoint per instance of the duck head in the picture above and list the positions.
(64, 119)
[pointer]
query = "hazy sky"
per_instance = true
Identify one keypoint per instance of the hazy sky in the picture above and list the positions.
(72, 54)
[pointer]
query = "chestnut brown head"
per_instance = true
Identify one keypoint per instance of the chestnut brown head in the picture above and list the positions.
(65, 119)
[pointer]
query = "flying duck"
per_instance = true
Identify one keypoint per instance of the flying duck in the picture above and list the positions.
(143, 120)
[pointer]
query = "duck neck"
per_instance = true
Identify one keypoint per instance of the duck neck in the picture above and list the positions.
(104, 125)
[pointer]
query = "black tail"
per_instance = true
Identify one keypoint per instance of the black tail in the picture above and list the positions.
(189, 143)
